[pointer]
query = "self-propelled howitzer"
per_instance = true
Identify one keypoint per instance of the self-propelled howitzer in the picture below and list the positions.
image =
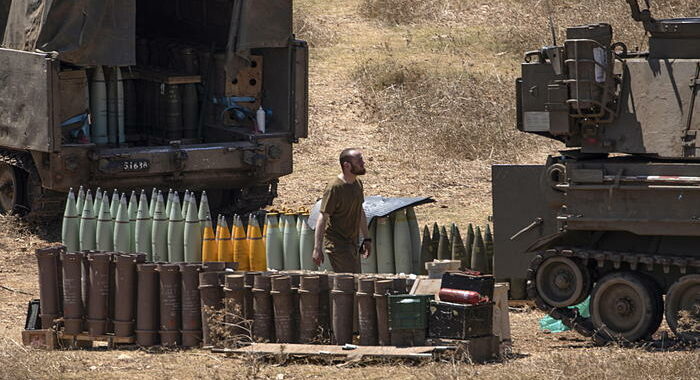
(616, 217)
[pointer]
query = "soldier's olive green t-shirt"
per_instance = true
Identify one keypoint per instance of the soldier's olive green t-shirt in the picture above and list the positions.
(343, 203)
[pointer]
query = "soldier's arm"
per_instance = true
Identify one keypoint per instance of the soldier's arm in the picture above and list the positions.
(317, 254)
(364, 230)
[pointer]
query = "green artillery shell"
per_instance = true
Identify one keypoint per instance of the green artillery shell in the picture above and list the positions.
(80, 200)
(71, 225)
(114, 207)
(443, 252)
(132, 210)
(479, 261)
(122, 232)
(168, 203)
(88, 225)
(273, 242)
(185, 203)
(402, 243)
(459, 251)
(369, 265)
(142, 236)
(204, 212)
(159, 231)
(415, 239)
(488, 246)
(306, 244)
(469, 244)
(98, 202)
(290, 244)
(435, 240)
(105, 227)
(152, 205)
(426, 250)
(193, 233)
(176, 230)
(385, 246)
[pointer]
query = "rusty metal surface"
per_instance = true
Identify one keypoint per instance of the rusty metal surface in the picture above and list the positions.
(148, 314)
(367, 312)
(72, 292)
(211, 295)
(125, 295)
(309, 300)
(342, 299)
(47, 260)
(381, 290)
(234, 301)
(263, 317)
(282, 302)
(191, 305)
(98, 295)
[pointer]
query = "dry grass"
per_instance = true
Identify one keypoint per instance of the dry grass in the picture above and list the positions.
(317, 29)
(457, 115)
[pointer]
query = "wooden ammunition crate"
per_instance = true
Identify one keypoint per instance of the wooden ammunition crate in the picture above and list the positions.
(456, 321)
(45, 338)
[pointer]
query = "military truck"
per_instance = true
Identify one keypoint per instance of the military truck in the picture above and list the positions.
(616, 217)
(129, 94)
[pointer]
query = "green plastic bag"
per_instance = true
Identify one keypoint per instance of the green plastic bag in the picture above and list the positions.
(550, 324)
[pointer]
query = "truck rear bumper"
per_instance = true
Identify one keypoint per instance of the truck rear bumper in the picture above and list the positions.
(197, 166)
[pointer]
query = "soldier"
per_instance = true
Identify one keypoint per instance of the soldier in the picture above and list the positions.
(342, 218)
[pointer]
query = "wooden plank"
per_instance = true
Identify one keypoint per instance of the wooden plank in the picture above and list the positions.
(248, 82)
(501, 317)
(111, 339)
(335, 351)
(426, 286)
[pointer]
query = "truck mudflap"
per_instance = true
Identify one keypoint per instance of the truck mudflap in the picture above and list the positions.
(196, 166)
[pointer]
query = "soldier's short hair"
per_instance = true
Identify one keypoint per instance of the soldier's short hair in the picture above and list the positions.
(346, 155)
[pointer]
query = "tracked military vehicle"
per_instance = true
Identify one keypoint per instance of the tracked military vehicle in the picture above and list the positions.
(617, 216)
(190, 94)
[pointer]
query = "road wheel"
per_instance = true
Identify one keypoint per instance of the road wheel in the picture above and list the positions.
(626, 306)
(562, 281)
(683, 308)
(11, 188)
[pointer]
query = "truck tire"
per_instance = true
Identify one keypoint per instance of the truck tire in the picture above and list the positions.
(11, 189)
(21, 192)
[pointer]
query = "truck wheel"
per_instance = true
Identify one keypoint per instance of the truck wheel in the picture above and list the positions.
(562, 281)
(11, 188)
(625, 306)
(683, 308)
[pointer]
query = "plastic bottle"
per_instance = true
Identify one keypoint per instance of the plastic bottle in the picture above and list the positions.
(260, 119)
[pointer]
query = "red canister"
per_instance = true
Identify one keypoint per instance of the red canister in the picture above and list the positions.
(467, 297)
